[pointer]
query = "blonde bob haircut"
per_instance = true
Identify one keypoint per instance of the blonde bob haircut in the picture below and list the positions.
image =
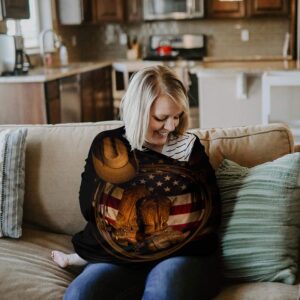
(144, 88)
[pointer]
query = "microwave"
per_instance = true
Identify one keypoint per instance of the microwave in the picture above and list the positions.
(173, 9)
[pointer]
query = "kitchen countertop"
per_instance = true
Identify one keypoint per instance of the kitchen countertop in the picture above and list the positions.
(250, 67)
(208, 65)
(47, 74)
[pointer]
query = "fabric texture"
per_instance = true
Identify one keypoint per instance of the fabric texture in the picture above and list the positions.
(27, 270)
(260, 219)
(168, 207)
(12, 181)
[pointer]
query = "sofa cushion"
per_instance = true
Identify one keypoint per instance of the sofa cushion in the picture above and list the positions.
(260, 219)
(12, 181)
(248, 145)
(27, 270)
(260, 291)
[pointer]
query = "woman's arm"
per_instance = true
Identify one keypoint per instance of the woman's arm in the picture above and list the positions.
(89, 183)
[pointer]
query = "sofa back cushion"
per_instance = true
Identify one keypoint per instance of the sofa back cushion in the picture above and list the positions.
(55, 159)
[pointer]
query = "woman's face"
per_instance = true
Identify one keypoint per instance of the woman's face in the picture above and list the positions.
(163, 119)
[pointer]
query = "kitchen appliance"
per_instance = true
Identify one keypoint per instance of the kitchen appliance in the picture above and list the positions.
(173, 9)
(13, 59)
(173, 47)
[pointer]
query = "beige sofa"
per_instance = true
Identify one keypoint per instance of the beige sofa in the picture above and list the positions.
(55, 157)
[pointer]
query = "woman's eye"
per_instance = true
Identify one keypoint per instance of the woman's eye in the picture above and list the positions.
(160, 119)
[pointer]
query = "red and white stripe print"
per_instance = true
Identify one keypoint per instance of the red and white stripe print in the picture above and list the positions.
(184, 214)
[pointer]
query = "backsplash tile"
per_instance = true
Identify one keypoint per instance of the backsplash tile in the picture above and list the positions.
(100, 42)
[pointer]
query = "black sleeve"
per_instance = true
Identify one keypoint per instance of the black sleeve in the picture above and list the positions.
(89, 183)
(200, 160)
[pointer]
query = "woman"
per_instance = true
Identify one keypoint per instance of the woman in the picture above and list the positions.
(150, 199)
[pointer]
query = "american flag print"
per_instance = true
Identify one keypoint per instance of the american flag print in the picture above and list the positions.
(185, 213)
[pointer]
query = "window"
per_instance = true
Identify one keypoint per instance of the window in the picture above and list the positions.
(40, 18)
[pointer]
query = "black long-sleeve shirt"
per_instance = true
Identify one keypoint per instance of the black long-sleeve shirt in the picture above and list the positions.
(90, 243)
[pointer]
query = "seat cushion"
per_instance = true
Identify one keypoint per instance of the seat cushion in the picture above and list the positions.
(260, 291)
(27, 270)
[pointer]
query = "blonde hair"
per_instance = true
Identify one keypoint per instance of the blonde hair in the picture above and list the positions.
(144, 88)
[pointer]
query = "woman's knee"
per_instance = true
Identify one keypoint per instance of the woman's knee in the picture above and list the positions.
(182, 278)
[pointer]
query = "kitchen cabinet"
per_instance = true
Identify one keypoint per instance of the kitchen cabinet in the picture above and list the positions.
(103, 94)
(79, 97)
(76, 12)
(268, 7)
(81, 11)
(96, 94)
(229, 98)
(251, 8)
(15, 9)
(134, 10)
(108, 11)
(280, 99)
(21, 103)
(230, 9)
(63, 101)
(52, 99)
(98, 11)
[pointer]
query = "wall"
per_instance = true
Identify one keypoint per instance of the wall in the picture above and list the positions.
(97, 42)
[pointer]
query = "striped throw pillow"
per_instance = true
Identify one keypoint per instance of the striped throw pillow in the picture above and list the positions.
(260, 220)
(12, 181)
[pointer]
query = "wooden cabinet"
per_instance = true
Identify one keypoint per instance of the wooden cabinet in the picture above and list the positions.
(87, 96)
(21, 103)
(80, 13)
(218, 9)
(15, 9)
(103, 94)
(96, 95)
(268, 7)
(134, 10)
(52, 99)
(108, 10)
(99, 11)
(249, 8)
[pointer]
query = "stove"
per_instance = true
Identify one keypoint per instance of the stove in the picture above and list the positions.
(184, 47)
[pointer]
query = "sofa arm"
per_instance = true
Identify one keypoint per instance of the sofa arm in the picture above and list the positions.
(297, 148)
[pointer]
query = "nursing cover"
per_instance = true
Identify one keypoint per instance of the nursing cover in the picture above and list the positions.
(147, 205)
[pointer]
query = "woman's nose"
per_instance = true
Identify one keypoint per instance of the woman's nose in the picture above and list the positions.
(170, 125)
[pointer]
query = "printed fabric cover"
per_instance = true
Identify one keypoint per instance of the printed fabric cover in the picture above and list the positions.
(143, 205)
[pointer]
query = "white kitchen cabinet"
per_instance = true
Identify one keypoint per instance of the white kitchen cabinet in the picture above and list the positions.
(281, 99)
(229, 98)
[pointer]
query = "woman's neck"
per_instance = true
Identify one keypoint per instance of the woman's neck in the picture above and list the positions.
(157, 148)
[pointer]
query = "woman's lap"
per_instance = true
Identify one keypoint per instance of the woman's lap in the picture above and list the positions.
(174, 278)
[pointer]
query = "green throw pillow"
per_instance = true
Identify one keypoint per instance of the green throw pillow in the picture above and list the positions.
(12, 181)
(260, 220)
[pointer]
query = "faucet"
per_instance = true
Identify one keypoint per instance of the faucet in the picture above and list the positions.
(47, 61)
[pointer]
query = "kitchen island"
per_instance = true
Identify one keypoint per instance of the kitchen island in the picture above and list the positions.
(234, 93)
(79, 92)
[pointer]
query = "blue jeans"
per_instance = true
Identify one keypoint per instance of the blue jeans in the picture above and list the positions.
(175, 278)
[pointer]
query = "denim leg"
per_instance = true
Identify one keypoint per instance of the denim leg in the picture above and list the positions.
(107, 281)
(183, 278)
